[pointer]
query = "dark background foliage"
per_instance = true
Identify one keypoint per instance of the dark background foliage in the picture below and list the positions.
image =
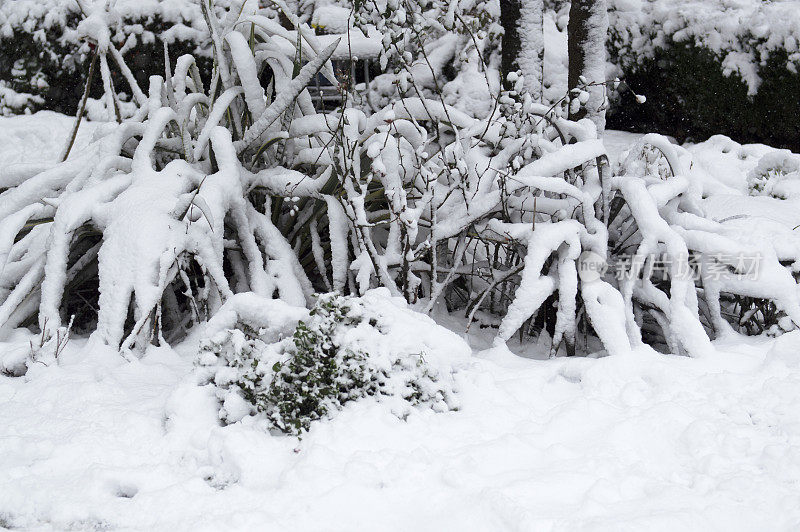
(688, 96)
(63, 65)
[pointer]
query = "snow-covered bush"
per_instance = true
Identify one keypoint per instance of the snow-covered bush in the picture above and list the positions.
(208, 191)
(737, 268)
(758, 316)
(42, 53)
(777, 175)
(13, 102)
(446, 50)
(747, 51)
(156, 212)
(742, 34)
(321, 373)
(347, 349)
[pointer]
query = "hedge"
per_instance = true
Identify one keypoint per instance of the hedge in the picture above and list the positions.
(41, 56)
(709, 66)
(690, 98)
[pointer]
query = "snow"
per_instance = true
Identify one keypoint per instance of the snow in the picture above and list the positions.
(635, 440)
(590, 53)
(555, 59)
(332, 18)
(338, 232)
(255, 311)
(532, 41)
(742, 33)
(624, 442)
(534, 287)
(182, 17)
(31, 138)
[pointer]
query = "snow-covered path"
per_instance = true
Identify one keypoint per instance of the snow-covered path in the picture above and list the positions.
(618, 443)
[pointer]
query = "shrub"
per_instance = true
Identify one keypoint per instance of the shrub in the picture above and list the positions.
(265, 194)
(777, 174)
(241, 185)
(750, 73)
(332, 358)
(321, 373)
(691, 107)
(43, 60)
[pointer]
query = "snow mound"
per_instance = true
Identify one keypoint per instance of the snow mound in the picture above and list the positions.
(38, 137)
(296, 372)
(777, 174)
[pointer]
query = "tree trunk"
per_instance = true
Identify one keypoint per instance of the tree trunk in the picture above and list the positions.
(586, 45)
(509, 19)
(531, 58)
(523, 43)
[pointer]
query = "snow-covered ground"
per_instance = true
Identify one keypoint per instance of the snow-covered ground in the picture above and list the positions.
(630, 442)
(619, 443)
(39, 137)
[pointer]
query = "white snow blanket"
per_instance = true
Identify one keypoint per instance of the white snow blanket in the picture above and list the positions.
(638, 442)
(635, 441)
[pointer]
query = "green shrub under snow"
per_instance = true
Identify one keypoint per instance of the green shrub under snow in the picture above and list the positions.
(777, 174)
(339, 354)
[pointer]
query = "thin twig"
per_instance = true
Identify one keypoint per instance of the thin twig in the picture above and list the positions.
(82, 107)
